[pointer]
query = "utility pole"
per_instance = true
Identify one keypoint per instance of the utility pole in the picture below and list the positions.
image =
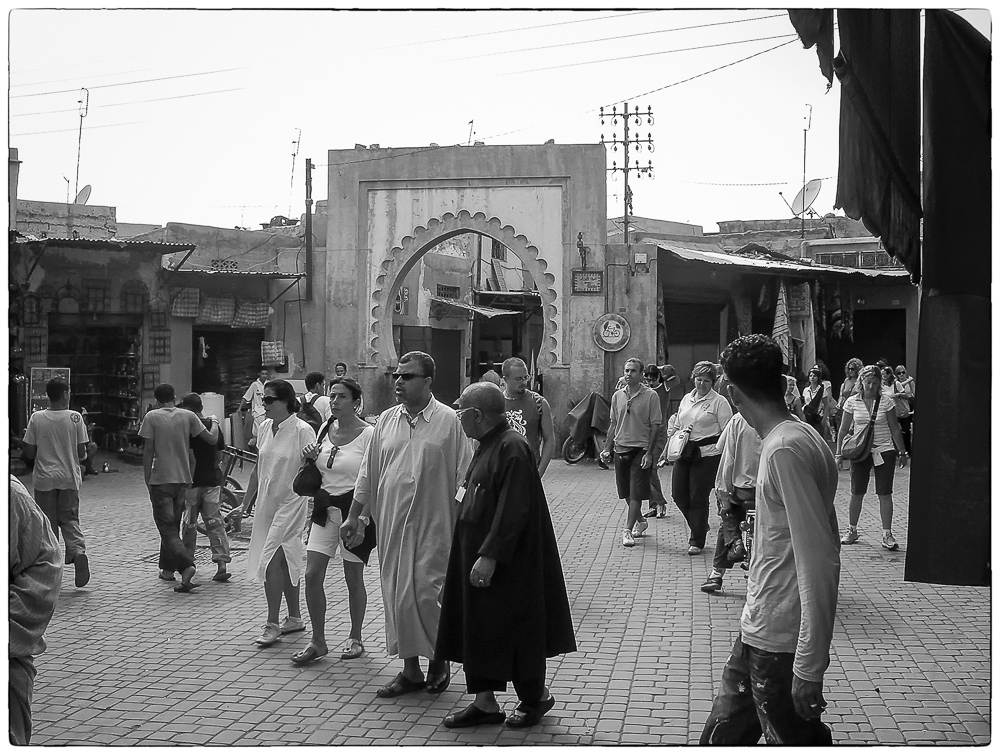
(84, 102)
(309, 229)
(805, 135)
(625, 142)
(295, 153)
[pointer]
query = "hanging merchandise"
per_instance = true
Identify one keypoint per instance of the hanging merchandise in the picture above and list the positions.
(764, 297)
(272, 352)
(216, 310)
(781, 332)
(847, 313)
(186, 303)
(252, 313)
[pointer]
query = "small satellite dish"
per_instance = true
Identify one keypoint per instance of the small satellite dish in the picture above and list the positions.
(806, 196)
(83, 196)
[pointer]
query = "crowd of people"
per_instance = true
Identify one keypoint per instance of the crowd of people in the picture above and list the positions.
(453, 502)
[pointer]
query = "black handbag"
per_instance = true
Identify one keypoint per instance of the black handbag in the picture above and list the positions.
(308, 480)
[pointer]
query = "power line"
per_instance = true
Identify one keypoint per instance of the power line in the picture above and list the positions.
(87, 76)
(610, 39)
(523, 28)
(133, 102)
(128, 83)
(89, 128)
(650, 54)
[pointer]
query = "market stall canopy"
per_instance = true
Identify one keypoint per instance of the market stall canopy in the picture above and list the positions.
(788, 268)
(478, 309)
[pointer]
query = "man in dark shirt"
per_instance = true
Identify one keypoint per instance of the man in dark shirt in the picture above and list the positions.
(528, 413)
(654, 379)
(504, 608)
(205, 494)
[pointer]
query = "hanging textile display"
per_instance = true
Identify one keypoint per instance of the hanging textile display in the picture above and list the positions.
(216, 310)
(781, 332)
(252, 313)
(272, 352)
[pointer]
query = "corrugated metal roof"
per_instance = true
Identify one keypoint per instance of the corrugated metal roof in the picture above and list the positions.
(235, 273)
(764, 266)
(477, 308)
(107, 244)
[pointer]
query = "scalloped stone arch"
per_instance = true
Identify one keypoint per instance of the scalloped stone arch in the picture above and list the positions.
(398, 262)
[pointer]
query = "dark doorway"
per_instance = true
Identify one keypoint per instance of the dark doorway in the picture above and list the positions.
(225, 361)
(446, 348)
(878, 333)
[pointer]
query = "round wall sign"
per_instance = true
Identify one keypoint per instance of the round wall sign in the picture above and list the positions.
(611, 332)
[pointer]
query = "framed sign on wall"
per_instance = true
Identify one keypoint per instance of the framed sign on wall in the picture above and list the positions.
(588, 282)
(612, 332)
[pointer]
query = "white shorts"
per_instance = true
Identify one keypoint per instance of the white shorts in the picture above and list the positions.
(326, 539)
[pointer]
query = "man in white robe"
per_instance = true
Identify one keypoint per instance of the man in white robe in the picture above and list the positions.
(408, 482)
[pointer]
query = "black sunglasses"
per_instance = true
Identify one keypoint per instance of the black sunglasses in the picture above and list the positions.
(406, 375)
(333, 454)
(270, 399)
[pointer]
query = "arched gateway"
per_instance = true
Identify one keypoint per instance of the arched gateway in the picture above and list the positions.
(387, 208)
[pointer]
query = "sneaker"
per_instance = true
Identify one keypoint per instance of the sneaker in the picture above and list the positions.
(889, 542)
(850, 538)
(712, 584)
(694, 550)
(639, 528)
(292, 624)
(627, 540)
(661, 510)
(651, 514)
(81, 565)
(270, 635)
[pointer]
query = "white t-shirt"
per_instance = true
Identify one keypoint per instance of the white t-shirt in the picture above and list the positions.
(795, 564)
(855, 406)
(57, 434)
(343, 474)
(255, 397)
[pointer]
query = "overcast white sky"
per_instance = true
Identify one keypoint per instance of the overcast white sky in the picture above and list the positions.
(193, 114)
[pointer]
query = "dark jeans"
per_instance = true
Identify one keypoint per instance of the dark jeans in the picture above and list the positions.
(756, 698)
(168, 508)
(729, 531)
(906, 426)
(691, 485)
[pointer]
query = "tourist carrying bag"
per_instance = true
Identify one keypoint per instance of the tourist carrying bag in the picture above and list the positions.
(679, 440)
(308, 480)
(858, 446)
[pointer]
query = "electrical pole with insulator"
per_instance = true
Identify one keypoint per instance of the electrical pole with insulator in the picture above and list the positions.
(625, 142)
(309, 229)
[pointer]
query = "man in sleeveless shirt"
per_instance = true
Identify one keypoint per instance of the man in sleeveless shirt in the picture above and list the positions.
(528, 413)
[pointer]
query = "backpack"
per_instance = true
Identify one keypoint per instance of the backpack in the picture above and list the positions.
(310, 414)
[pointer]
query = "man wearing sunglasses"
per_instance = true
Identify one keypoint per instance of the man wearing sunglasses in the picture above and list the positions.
(409, 477)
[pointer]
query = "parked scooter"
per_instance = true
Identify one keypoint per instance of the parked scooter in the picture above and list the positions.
(587, 425)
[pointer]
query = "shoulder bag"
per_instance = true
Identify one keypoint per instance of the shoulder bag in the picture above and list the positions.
(679, 440)
(308, 480)
(858, 446)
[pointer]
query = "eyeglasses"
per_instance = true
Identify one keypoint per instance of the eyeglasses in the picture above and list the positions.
(406, 375)
(270, 399)
(900, 372)
(333, 453)
(461, 412)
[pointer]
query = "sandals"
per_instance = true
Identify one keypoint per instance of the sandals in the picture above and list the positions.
(524, 716)
(222, 576)
(401, 685)
(353, 648)
(473, 716)
(310, 654)
(438, 682)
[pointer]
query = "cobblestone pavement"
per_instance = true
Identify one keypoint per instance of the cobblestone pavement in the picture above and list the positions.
(130, 662)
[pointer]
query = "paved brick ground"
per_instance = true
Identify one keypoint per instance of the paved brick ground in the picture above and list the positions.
(130, 662)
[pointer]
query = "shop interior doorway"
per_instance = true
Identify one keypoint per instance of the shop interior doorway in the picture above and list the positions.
(225, 361)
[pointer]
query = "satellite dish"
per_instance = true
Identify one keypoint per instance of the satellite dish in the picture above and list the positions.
(83, 196)
(806, 196)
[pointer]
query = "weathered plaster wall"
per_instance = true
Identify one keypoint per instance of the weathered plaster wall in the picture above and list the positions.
(784, 236)
(631, 294)
(60, 220)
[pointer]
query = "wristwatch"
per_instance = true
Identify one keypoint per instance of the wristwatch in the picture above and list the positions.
(364, 520)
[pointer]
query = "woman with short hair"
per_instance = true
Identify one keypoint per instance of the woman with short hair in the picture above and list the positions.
(276, 552)
(693, 478)
(338, 452)
(886, 451)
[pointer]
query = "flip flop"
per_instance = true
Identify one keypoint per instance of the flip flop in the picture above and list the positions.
(399, 686)
(185, 587)
(352, 649)
(171, 578)
(438, 683)
(310, 654)
(224, 577)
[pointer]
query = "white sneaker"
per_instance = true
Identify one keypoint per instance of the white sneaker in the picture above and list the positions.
(661, 510)
(627, 540)
(292, 624)
(694, 550)
(270, 634)
(639, 528)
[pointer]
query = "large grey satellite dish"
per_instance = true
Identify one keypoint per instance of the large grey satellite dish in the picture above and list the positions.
(83, 196)
(806, 196)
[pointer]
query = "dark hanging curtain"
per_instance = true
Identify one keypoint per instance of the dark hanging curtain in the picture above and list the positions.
(949, 532)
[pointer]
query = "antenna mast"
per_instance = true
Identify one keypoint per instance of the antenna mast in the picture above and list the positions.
(84, 102)
(805, 135)
(295, 154)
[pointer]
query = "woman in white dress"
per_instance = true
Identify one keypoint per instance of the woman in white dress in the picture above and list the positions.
(277, 551)
(341, 446)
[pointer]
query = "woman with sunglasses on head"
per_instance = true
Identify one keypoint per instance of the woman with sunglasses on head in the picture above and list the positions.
(893, 390)
(886, 452)
(338, 452)
(276, 550)
(909, 385)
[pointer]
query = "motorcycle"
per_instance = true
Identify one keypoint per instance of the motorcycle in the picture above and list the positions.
(587, 425)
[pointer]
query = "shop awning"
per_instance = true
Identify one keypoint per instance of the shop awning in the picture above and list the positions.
(187, 272)
(781, 267)
(478, 309)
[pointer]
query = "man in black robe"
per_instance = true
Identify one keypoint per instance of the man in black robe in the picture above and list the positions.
(504, 608)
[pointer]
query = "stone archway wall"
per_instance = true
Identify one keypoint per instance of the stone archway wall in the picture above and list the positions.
(399, 260)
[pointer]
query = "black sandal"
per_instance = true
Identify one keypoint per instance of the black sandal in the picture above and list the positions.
(401, 685)
(474, 716)
(524, 716)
